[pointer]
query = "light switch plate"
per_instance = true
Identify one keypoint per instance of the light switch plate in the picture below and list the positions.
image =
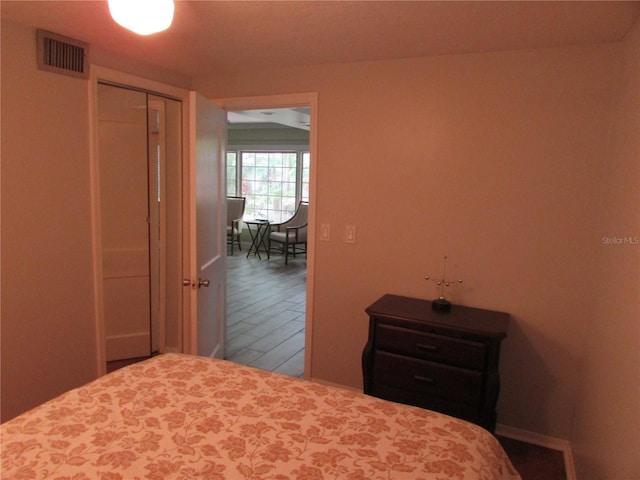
(325, 232)
(350, 236)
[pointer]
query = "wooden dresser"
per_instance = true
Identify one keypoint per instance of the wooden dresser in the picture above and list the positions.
(443, 361)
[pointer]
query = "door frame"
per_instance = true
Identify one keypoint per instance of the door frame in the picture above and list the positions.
(103, 74)
(309, 99)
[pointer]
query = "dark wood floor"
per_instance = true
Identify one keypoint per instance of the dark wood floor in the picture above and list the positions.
(534, 462)
(266, 303)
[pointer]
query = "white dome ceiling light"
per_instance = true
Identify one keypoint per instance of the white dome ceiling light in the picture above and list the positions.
(143, 17)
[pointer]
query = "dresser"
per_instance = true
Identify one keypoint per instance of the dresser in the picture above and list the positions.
(443, 361)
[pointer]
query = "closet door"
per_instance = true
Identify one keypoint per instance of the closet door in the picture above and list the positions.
(124, 221)
(165, 222)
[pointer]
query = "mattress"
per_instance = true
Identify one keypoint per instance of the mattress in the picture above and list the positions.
(183, 417)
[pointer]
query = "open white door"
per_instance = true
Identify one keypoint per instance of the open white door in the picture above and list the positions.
(207, 282)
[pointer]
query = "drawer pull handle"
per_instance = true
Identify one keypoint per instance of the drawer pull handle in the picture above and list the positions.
(420, 378)
(428, 348)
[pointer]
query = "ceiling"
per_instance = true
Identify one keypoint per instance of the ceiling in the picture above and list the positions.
(299, 118)
(234, 36)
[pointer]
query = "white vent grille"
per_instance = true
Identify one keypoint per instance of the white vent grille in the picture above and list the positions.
(62, 55)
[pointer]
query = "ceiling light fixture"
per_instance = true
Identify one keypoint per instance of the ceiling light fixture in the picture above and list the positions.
(143, 17)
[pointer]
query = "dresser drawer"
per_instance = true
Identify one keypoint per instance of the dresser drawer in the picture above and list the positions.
(428, 378)
(429, 346)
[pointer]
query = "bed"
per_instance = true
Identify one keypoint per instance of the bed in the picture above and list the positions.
(182, 417)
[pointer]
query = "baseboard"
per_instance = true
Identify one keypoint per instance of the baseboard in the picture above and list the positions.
(543, 441)
(332, 384)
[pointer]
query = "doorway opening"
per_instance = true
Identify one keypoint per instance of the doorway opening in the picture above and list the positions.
(268, 302)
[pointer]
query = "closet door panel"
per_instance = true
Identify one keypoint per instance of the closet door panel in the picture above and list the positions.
(124, 221)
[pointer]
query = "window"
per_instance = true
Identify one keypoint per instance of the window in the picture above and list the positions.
(273, 182)
(306, 168)
(232, 178)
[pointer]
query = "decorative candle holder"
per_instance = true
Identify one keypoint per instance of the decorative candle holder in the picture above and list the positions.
(441, 304)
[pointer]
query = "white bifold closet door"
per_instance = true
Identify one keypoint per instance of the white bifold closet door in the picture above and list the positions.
(140, 183)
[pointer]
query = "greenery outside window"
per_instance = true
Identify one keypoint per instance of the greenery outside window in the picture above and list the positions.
(306, 169)
(273, 182)
(232, 177)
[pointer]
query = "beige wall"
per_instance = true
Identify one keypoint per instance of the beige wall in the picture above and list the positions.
(48, 327)
(490, 159)
(607, 423)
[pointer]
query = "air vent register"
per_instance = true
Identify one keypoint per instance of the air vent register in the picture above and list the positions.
(62, 55)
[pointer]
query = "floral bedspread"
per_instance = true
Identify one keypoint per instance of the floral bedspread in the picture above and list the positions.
(184, 417)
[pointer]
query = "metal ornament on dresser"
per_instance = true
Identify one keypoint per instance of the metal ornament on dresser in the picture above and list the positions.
(441, 304)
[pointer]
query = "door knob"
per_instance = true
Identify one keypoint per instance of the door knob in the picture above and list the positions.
(186, 282)
(203, 283)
